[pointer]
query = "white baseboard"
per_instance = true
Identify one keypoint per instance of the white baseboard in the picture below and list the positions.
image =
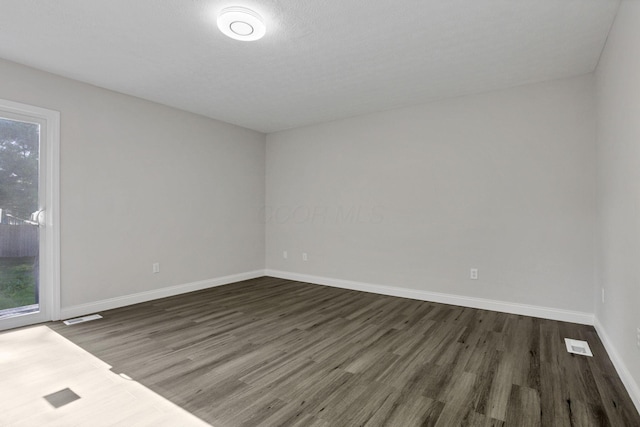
(111, 303)
(629, 382)
(485, 304)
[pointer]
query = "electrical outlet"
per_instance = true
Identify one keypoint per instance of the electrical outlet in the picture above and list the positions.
(638, 337)
(473, 274)
(603, 295)
(156, 267)
(285, 255)
(305, 257)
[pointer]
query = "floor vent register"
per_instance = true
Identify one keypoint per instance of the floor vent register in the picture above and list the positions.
(82, 319)
(578, 347)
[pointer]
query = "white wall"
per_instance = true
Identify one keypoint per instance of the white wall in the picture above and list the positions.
(503, 181)
(144, 183)
(618, 95)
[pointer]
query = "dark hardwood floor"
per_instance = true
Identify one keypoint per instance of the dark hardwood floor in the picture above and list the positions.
(273, 352)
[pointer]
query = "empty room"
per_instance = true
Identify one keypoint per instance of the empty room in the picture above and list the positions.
(319, 214)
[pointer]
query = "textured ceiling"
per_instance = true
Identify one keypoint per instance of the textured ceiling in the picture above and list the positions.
(320, 60)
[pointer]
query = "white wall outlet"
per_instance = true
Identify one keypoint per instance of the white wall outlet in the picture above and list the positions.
(285, 255)
(603, 295)
(638, 337)
(156, 267)
(304, 256)
(473, 274)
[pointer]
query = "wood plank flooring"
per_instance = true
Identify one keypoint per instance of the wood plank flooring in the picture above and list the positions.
(272, 352)
(36, 363)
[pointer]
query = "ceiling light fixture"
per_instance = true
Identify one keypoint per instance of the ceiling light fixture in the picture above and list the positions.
(241, 23)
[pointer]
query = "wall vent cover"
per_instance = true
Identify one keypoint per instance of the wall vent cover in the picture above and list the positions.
(82, 319)
(578, 347)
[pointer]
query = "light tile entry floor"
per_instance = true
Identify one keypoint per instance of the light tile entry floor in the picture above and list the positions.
(37, 362)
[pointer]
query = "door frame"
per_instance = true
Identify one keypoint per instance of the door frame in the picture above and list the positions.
(51, 233)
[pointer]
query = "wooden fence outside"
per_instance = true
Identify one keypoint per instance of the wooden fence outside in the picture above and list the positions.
(18, 241)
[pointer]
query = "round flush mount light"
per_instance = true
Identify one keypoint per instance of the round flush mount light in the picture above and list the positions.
(241, 23)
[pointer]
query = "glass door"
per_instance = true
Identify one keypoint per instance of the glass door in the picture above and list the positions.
(19, 229)
(26, 284)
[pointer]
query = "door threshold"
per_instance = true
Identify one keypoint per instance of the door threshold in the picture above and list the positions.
(19, 311)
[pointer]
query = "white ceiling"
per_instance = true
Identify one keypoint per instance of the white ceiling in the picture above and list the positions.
(320, 60)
